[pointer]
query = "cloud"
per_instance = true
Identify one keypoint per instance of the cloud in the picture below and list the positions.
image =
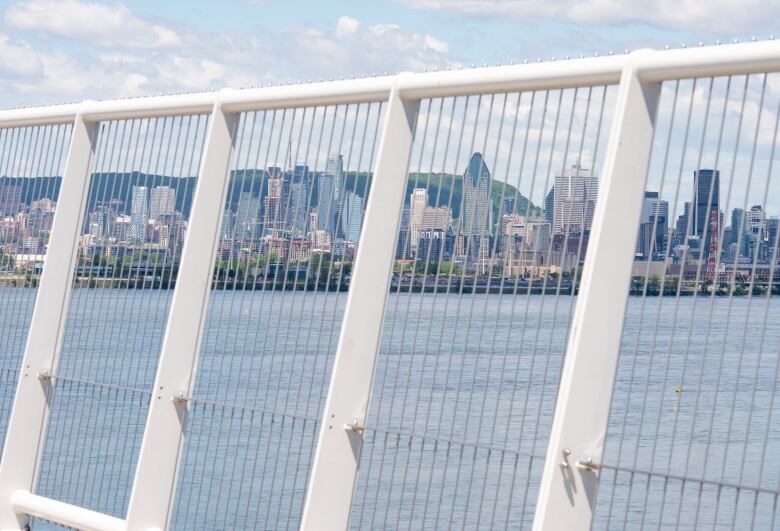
(39, 54)
(111, 26)
(18, 60)
(346, 26)
(354, 48)
(720, 15)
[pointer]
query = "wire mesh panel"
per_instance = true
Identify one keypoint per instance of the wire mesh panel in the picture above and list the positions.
(694, 429)
(141, 187)
(292, 220)
(31, 163)
(494, 230)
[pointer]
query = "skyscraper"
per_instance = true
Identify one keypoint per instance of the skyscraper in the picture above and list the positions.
(476, 211)
(273, 206)
(295, 218)
(574, 200)
(335, 167)
(655, 215)
(325, 203)
(330, 190)
(139, 213)
(684, 226)
(738, 225)
(706, 198)
(418, 203)
(247, 213)
(549, 205)
(352, 215)
(162, 202)
(10, 198)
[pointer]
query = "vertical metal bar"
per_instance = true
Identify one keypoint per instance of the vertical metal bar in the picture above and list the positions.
(329, 500)
(567, 492)
(29, 416)
(155, 479)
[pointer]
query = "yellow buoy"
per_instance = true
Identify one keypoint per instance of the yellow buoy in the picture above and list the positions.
(678, 389)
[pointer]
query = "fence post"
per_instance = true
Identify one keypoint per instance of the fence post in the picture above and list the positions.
(334, 472)
(30, 414)
(154, 486)
(567, 494)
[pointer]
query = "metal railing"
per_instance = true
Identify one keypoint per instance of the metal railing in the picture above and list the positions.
(424, 300)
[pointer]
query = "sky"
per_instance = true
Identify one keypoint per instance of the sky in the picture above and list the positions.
(70, 50)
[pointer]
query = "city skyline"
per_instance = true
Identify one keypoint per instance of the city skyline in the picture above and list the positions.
(294, 213)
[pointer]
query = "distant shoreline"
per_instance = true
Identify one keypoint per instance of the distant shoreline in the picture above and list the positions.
(454, 288)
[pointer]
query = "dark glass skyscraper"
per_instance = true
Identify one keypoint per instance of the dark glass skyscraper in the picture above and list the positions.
(706, 198)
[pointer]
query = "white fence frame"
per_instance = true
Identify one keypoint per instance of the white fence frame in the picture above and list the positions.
(567, 492)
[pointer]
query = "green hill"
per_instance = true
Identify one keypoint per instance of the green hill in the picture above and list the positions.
(445, 189)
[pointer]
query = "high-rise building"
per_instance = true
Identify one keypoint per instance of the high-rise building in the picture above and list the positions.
(41, 214)
(274, 204)
(418, 204)
(476, 211)
(352, 216)
(549, 205)
(139, 213)
(162, 202)
(247, 214)
(509, 205)
(335, 167)
(435, 245)
(706, 198)
(326, 206)
(652, 226)
(10, 198)
(574, 200)
(329, 195)
(683, 227)
(295, 218)
(402, 250)
(738, 225)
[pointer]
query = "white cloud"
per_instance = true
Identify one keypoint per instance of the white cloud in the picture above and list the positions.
(346, 26)
(720, 15)
(64, 54)
(18, 59)
(113, 26)
(354, 48)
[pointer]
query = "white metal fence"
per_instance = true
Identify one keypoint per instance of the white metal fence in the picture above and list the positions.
(359, 304)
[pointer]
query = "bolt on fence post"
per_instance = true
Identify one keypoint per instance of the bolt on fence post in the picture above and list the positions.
(154, 486)
(567, 494)
(334, 472)
(30, 414)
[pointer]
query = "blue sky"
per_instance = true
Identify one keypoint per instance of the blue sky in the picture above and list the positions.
(54, 51)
